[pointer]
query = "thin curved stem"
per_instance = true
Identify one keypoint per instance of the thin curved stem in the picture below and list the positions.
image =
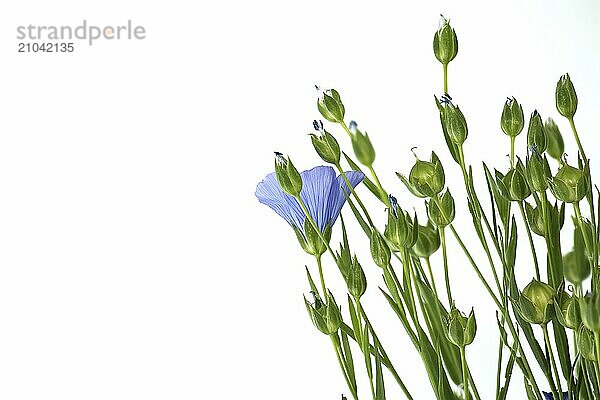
(528, 230)
(553, 361)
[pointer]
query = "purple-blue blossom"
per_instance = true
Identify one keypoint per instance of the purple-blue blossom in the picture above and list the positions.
(322, 193)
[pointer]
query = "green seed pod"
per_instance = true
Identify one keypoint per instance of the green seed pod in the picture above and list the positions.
(445, 42)
(330, 106)
(441, 209)
(325, 144)
(460, 329)
(361, 144)
(287, 175)
(566, 98)
(455, 124)
(587, 344)
(537, 171)
(427, 177)
(590, 311)
(428, 241)
(310, 240)
(326, 317)
(536, 135)
(556, 145)
(400, 231)
(534, 219)
(379, 250)
(512, 120)
(576, 269)
(570, 184)
(356, 279)
(567, 311)
(513, 186)
(535, 302)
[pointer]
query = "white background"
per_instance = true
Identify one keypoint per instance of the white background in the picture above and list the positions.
(135, 262)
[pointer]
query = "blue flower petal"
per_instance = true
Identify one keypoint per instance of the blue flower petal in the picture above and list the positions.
(269, 192)
(316, 189)
(322, 192)
(337, 198)
(548, 396)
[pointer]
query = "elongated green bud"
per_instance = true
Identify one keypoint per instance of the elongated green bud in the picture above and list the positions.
(455, 124)
(325, 144)
(356, 279)
(445, 42)
(362, 146)
(287, 175)
(590, 311)
(566, 98)
(587, 344)
(536, 135)
(513, 186)
(330, 105)
(379, 250)
(556, 145)
(537, 171)
(512, 120)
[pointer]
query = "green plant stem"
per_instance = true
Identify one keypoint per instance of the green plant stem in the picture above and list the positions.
(597, 345)
(385, 358)
(379, 186)
(530, 238)
(359, 313)
(572, 123)
(463, 362)
(512, 152)
(445, 260)
(323, 287)
(553, 361)
(504, 312)
(445, 78)
(338, 353)
(358, 200)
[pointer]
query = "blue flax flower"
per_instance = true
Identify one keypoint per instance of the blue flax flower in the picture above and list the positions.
(548, 396)
(322, 192)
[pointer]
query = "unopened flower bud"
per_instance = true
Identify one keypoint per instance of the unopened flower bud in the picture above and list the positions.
(535, 302)
(441, 209)
(536, 134)
(455, 124)
(556, 145)
(379, 250)
(310, 240)
(512, 120)
(356, 279)
(567, 311)
(535, 219)
(570, 184)
(445, 43)
(287, 175)
(513, 186)
(537, 170)
(325, 316)
(325, 145)
(587, 344)
(576, 269)
(460, 329)
(330, 106)
(428, 241)
(427, 177)
(363, 149)
(400, 231)
(566, 98)
(590, 311)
